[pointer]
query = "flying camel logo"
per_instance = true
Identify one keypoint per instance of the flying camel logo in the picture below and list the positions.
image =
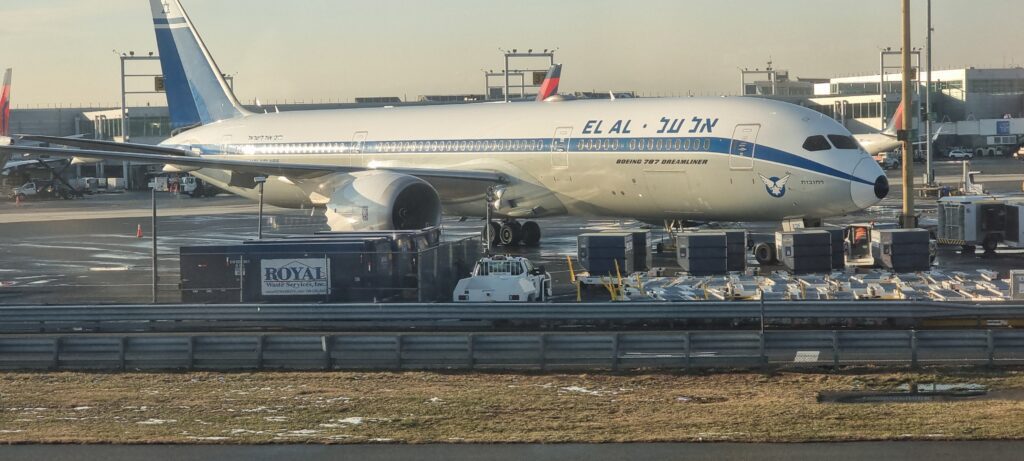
(776, 187)
(294, 276)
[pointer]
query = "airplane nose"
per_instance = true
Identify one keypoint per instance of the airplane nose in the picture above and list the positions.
(870, 185)
(881, 187)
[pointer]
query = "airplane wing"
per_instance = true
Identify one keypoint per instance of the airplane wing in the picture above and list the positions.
(106, 145)
(290, 170)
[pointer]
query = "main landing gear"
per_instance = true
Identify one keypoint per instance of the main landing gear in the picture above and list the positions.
(510, 232)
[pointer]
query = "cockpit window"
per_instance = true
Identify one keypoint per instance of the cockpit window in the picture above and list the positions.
(843, 142)
(816, 143)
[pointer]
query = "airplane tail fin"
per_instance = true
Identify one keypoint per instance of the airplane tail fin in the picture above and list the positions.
(5, 105)
(197, 92)
(550, 86)
(896, 122)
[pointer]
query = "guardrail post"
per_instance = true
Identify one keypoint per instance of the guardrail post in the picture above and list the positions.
(259, 352)
(471, 351)
(991, 344)
(913, 348)
(327, 343)
(399, 349)
(615, 352)
(123, 346)
(191, 352)
(686, 346)
(764, 353)
(542, 350)
(835, 349)
(55, 359)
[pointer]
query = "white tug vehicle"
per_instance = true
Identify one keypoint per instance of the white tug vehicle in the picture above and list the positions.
(505, 279)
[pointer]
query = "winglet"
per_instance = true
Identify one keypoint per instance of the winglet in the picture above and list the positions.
(5, 105)
(197, 92)
(550, 86)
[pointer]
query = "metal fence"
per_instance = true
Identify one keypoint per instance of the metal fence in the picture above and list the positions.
(513, 351)
(124, 276)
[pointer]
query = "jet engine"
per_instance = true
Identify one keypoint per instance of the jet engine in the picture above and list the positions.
(382, 200)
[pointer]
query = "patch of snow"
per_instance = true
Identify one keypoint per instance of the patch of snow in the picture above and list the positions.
(583, 390)
(276, 419)
(382, 440)
(212, 439)
(354, 420)
(434, 400)
(82, 408)
(299, 433)
(154, 422)
(11, 431)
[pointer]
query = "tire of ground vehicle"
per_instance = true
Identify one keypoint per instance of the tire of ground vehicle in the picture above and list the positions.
(967, 249)
(764, 252)
(989, 244)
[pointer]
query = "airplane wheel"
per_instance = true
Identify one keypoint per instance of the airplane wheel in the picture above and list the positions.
(531, 233)
(764, 253)
(517, 232)
(495, 231)
(507, 234)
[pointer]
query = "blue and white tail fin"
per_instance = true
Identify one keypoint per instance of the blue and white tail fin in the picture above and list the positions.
(197, 92)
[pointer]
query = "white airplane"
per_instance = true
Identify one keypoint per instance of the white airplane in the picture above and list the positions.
(699, 159)
(885, 140)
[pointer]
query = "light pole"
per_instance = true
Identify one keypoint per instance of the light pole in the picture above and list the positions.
(928, 105)
(259, 226)
(155, 276)
(907, 220)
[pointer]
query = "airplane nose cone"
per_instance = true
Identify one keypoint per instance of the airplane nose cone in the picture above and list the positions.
(870, 185)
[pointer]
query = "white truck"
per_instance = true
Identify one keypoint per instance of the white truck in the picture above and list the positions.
(504, 279)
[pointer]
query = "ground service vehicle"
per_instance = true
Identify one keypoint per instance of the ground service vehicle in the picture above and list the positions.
(504, 279)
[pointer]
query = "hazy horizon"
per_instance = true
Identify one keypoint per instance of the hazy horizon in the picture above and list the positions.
(61, 50)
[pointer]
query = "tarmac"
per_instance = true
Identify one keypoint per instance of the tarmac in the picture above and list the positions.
(86, 250)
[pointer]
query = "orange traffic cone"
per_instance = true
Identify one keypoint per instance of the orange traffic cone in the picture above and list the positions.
(138, 231)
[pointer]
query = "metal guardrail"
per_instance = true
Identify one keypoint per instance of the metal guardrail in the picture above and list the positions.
(218, 317)
(508, 351)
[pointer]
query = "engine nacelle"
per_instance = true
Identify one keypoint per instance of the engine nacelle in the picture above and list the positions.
(382, 200)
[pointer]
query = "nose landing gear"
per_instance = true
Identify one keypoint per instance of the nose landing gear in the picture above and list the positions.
(510, 232)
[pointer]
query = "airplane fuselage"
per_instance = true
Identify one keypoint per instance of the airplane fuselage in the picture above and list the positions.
(694, 158)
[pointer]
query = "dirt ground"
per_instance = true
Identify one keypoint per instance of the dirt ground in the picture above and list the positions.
(417, 407)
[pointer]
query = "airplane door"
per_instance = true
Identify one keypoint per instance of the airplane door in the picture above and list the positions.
(560, 147)
(741, 151)
(357, 158)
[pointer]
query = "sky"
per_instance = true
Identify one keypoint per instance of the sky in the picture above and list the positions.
(313, 50)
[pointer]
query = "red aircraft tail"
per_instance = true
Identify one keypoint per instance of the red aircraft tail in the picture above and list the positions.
(5, 105)
(896, 123)
(550, 86)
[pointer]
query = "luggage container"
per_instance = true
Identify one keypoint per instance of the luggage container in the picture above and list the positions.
(703, 253)
(904, 250)
(836, 237)
(600, 252)
(643, 257)
(736, 242)
(1017, 285)
(805, 251)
